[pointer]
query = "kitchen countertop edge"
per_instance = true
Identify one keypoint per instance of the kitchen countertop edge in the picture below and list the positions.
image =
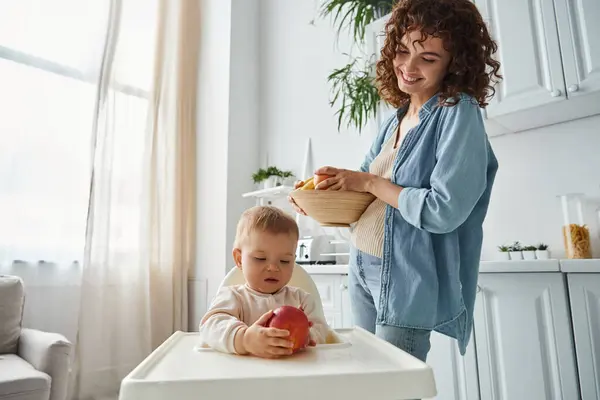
(325, 269)
(516, 266)
(580, 266)
(490, 267)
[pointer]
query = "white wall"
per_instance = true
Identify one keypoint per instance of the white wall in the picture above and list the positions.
(212, 151)
(227, 137)
(296, 58)
(535, 166)
(244, 141)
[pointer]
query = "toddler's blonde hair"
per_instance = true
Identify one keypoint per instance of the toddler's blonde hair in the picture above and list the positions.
(264, 219)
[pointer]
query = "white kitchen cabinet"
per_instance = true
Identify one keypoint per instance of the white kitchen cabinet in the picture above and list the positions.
(524, 343)
(455, 376)
(579, 34)
(584, 290)
(347, 320)
(529, 53)
(550, 61)
(333, 289)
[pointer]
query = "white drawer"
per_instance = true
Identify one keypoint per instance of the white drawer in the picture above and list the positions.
(334, 319)
(347, 320)
(330, 291)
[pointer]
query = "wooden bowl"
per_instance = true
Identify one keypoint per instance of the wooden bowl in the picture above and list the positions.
(332, 207)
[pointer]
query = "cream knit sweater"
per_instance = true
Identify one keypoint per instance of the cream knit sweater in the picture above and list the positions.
(367, 233)
(237, 306)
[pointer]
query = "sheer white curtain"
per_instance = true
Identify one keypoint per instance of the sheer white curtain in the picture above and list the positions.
(109, 84)
(114, 318)
(50, 53)
(140, 228)
(171, 190)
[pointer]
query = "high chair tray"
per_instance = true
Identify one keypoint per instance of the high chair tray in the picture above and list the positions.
(361, 367)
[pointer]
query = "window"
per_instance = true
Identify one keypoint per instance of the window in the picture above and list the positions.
(50, 57)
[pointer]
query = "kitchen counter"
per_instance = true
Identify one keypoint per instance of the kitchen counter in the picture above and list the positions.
(326, 269)
(486, 267)
(580, 266)
(551, 265)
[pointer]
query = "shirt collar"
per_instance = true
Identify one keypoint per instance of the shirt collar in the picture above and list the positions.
(256, 292)
(425, 110)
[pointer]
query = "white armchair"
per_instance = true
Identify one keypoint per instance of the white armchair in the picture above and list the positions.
(34, 365)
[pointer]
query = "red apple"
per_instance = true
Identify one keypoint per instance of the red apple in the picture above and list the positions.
(293, 320)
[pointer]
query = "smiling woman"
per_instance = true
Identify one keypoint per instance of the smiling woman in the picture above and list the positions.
(420, 64)
(449, 41)
(415, 250)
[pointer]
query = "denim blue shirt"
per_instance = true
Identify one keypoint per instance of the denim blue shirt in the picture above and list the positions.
(432, 241)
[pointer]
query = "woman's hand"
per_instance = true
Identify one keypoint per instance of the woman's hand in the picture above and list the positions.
(292, 202)
(344, 179)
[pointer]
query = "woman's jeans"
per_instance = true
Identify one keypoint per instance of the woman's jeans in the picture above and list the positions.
(364, 281)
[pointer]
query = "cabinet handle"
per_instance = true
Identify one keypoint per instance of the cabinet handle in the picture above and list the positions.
(573, 88)
(343, 286)
(555, 93)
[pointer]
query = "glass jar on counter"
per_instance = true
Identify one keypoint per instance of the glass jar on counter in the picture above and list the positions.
(598, 221)
(576, 233)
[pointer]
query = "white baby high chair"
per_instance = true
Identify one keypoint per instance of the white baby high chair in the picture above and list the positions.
(357, 367)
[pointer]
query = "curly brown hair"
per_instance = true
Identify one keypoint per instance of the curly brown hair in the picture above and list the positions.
(472, 70)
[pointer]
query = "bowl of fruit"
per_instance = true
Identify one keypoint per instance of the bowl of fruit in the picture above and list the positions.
(338, 208)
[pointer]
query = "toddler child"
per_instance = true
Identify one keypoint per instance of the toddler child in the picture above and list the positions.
(264, 249)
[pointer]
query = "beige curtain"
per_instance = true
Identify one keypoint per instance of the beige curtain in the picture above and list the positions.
(141, 221)
(172, 178)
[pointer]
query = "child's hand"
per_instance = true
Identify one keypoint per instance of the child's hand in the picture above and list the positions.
(266, 342)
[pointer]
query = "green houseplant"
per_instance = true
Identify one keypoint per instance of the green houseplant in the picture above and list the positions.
(271, 176)
(529, 252)
(515, 251)
(503, 253)
(355, 15)
(542, 252)
(353, 87)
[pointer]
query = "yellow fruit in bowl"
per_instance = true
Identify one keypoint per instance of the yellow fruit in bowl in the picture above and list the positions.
(309, 184)
(313, 181)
